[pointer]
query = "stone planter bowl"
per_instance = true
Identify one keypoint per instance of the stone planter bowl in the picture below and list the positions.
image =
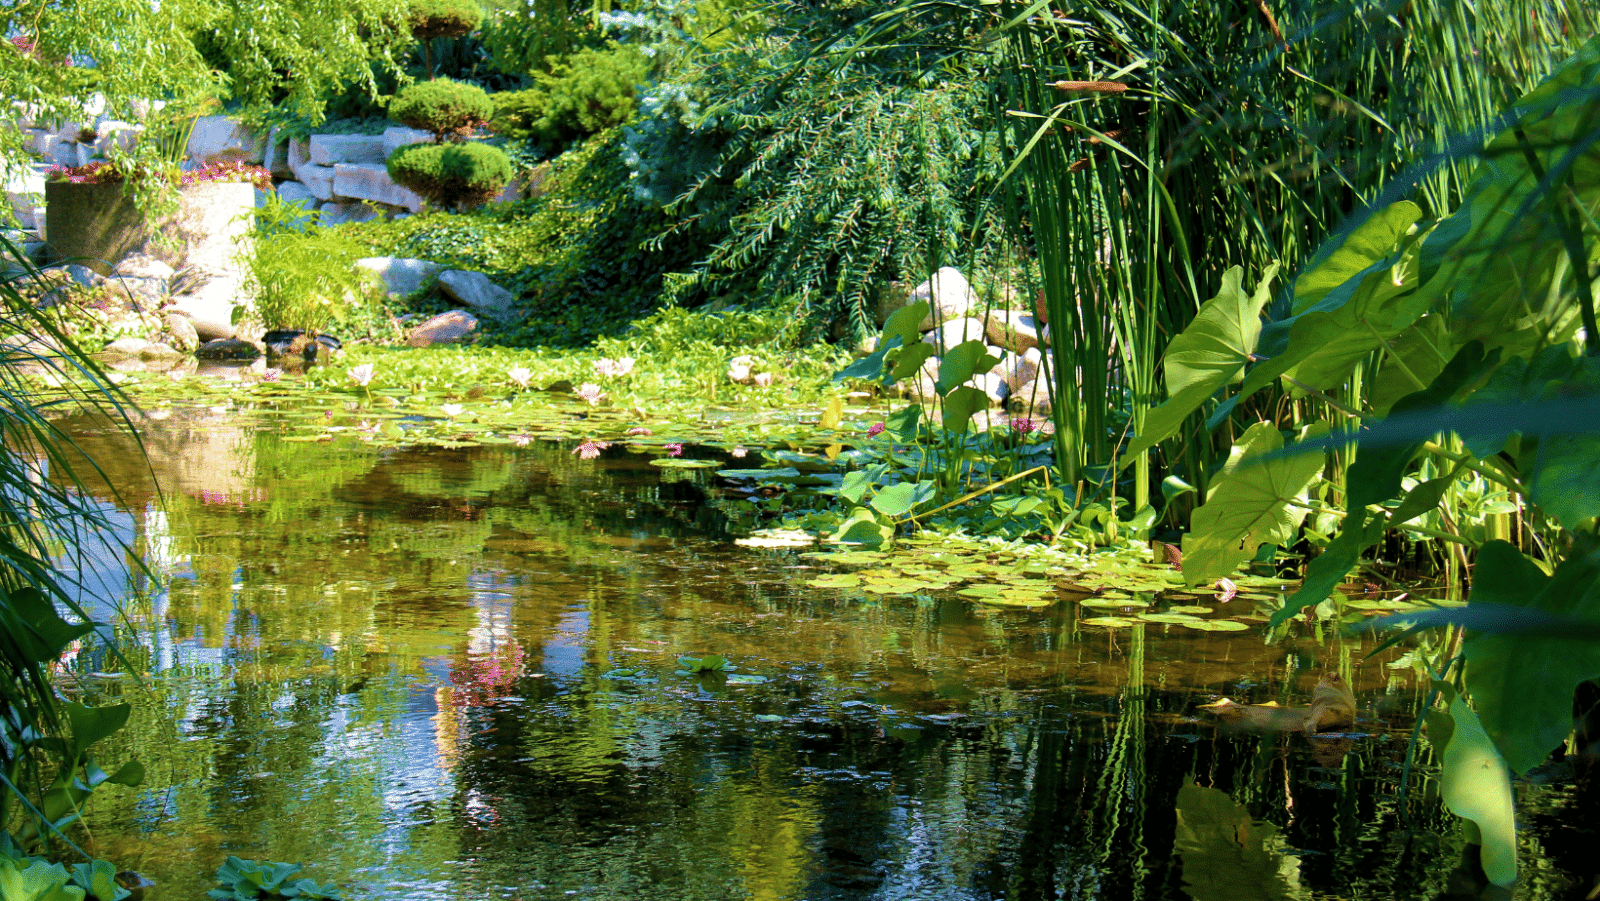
(100, 225)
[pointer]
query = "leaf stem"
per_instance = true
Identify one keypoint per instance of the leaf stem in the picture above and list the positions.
(1395, 357)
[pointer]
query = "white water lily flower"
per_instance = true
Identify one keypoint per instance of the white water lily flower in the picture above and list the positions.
(520, 376)
(362, 375)
(590, 392)
(452, 410)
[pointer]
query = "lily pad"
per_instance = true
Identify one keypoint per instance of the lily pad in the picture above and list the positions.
(835, 580)
(1112, 603)
(682, 463)
(1215, 625)
(1109, 622)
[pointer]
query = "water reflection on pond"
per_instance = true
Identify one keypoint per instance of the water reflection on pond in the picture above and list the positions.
(453, 674)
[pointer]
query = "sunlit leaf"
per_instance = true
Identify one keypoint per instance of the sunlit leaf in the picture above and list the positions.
(1474, 784)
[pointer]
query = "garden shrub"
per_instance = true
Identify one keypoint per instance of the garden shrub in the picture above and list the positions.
(451, 175)
(448, 109)
(444, 18)
(585, 94)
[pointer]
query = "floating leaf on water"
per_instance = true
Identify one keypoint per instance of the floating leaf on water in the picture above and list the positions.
(1373, 604)
(1191, 609)
(835, 580)
(745, 679)
(680, 463)
(766, 717)
(1182, 619)
(1215, 625)
(1112, 603)
(1109, 622)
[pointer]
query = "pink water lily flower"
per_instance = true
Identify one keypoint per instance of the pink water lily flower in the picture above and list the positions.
(875, 429)
(271, 375)
(609, 367)
(673, 450)
(590, 449)
(590, 393)
(362, 375)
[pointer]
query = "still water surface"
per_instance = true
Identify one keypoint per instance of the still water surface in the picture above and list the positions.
(401, 668)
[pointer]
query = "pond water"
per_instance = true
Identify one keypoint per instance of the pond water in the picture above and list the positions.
(453, 674)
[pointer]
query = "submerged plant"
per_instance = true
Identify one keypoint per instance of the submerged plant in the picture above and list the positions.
(246, 880)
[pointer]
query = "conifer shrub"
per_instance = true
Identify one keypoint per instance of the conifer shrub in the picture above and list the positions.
(449, 109)
(583, 95)
(453, 175)
(444, 18)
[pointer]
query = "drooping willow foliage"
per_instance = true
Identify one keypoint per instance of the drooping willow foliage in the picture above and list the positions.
(825, 176)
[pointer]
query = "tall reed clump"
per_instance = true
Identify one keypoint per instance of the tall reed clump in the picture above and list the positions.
(1156, 144)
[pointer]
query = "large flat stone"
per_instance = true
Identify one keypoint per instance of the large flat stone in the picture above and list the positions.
(330, 150)
(224, 139)
(395, 138)
(318, 180)
(370, 181)
(298, 194)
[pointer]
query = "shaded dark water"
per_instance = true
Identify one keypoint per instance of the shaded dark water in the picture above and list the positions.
(400, 668)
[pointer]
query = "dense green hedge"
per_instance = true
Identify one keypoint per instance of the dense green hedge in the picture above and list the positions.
(452, 175)
(444, 107)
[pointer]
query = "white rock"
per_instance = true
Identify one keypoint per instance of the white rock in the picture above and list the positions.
(318, 180)
(1030, 399)
(399, 274)
(218, 139)
(1017, 369)
(370, 181)
(299, 155)
(955, 331)
(209, 306)
(991, 384)
(1013, 331)
(112, 133)
(476, 290)
(298, 194)
(330, 150)
(395, 138)
(142, 265)
(948, 297)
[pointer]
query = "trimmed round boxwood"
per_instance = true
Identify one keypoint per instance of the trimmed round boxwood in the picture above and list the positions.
(444, 18)
(445, 107)
(452, 175)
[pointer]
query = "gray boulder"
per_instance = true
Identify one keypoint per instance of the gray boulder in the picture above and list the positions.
(401, 275)
(1013, 331)
(476, 290)
(947, 295)
(956, 331)
(228, 349)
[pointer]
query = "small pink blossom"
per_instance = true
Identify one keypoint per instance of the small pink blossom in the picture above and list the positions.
(640, 430)
(1226, 590)
(875, 429)
(590, 393)
(590, 449)
(362, 375)
(271, 375)
(609, 367)
(673, 450)
(1023, 426)
(327, 415)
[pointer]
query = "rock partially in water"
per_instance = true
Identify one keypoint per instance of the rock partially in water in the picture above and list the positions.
(453, 327)
(228, 349)
(295, 347)
(182, 332)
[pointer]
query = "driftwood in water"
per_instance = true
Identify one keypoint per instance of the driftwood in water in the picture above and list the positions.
(1333, 708)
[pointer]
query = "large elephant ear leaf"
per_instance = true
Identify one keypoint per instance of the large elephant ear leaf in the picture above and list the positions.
(1476, 787)
(1210, 353)
(1522, 683)
(1367, 243)
(1251, 503)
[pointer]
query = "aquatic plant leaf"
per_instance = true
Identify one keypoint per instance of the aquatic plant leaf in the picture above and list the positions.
(681, 463)
(1366, 244)
(863, 527)
(832, 414)
(909, 361)
(1210, 353)
(1248, 505)
(835, 580)
(1422, 350)
(1422, 499)
(1227, 855)
(961, 405)
(1216, 625)
(1474, 784)
(1522, 683)
(98, 879)
(1348, 320)
(1109, 622)
(895, 500)
(901, 426)
(960, 363)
